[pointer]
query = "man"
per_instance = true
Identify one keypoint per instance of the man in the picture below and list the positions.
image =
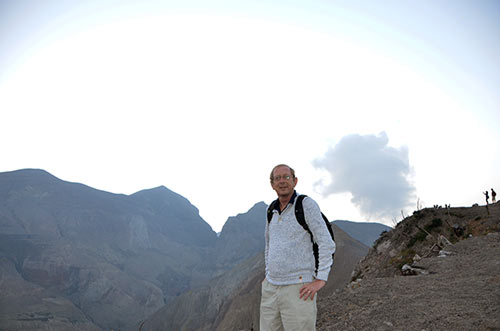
(289, 289)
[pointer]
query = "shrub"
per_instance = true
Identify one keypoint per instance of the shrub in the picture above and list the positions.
(420, 236)
(379, 239)
(436, 223)
(418, 214)
(406, 257)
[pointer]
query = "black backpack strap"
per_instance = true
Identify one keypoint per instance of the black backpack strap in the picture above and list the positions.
(270, 209)
(299, 214)
(301, 219)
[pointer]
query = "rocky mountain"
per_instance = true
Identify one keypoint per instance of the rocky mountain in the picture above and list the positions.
(239, 252)
(76, 258)
(241, 312)
(106, 261)
(437, 270)
(231, 300)
(241, 238)
(365, 232)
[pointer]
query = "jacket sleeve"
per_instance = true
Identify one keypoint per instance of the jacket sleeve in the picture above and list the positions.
(326, 246)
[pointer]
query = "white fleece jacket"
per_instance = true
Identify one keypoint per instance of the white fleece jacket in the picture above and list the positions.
(289, 254)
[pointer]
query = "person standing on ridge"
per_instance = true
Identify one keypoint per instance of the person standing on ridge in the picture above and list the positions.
(487, 196)
(292, 281)
(493, 196)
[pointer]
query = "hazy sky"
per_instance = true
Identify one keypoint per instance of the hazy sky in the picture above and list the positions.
(375, 104)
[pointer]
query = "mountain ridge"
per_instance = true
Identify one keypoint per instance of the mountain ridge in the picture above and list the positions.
(100, 250)
(113, 260)
(365, 232)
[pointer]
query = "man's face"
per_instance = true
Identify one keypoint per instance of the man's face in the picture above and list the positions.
(283, 182)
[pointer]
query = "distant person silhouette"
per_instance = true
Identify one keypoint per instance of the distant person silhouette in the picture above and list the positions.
(487, 196)
(493, 196)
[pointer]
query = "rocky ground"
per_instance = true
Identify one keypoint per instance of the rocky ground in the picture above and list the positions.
(460, 291)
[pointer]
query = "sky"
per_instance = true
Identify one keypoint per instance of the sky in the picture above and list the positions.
(380, 107)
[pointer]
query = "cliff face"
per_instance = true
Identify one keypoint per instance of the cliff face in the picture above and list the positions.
(111, 260)
(239, 257)
(241, 238)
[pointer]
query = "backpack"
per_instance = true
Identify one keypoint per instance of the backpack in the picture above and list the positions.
(299, 215)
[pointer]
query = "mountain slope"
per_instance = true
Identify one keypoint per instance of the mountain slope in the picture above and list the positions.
(73, 257)
(365, 232)
(452, 286)
(241, 237)
(42, 311)
(116, 258)
(231, 300)
(241, 311)
(238, 255)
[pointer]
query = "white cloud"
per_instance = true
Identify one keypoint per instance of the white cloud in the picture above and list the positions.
(375, 174)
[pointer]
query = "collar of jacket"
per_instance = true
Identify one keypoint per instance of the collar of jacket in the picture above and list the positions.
(292, 200)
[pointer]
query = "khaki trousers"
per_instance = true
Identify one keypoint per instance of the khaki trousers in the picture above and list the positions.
(281, 309)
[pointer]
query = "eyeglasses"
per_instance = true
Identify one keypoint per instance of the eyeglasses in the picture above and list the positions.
(278, 178)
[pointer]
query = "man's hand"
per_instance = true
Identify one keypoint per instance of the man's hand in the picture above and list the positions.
(310, 289)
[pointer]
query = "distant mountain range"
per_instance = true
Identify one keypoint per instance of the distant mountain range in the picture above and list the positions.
(76, 258)
(365, 232)
(107, 260)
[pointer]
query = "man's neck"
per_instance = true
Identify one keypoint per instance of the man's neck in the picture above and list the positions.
(284, 200)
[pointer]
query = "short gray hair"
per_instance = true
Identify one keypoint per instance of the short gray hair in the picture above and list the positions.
(282, 165)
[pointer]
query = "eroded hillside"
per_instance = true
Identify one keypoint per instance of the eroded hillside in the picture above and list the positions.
(453, 282)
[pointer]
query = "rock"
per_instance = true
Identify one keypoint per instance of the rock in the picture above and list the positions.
(443, 241)
(443, 253)
(408, 270)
